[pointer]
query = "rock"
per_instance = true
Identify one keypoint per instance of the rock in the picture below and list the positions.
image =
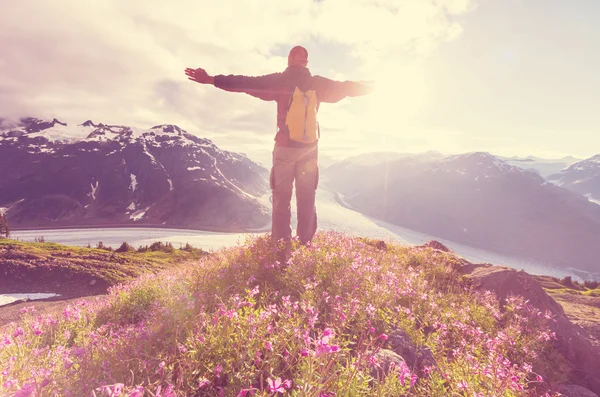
(573, 342)
(386, 360)
(380, 244)
(93, 282)
(436, 245)
(505, 281)
(416, 358)
(575, 391)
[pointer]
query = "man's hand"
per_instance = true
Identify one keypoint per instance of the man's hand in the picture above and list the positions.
(199, 76)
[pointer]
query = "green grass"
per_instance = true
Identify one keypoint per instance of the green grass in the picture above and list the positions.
(20, 260)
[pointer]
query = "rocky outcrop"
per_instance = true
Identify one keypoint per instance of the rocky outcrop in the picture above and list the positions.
(573, 342)
(436, 245)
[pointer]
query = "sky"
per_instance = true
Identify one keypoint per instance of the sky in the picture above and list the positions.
(510, 77)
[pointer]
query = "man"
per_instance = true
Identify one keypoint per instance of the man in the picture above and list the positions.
(298, 95)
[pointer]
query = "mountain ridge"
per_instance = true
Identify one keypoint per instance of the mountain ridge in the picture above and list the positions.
(96, 174)
(478, 200)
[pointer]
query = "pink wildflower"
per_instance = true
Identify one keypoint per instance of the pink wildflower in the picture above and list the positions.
(462, 385)
(137, 392)
(277, 386)
(27, 390)
(9, 383)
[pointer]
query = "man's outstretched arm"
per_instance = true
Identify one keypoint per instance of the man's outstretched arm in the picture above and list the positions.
(334, 91)
(263, 87)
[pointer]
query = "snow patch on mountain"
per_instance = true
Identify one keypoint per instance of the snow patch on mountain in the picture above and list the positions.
(590, 198)
(63, 133)
(134, 183)
(94, 189)
(3, 210)
(136, 216)
(478, 165)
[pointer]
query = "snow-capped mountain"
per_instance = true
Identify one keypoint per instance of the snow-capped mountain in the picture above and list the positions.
(582, 177)
(54, 174)
(479, 200)
(545, 167)
(370, 169)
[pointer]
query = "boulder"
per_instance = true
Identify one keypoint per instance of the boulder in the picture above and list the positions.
(435, 245)
(385, 361)
(416, 358)
(572, 341)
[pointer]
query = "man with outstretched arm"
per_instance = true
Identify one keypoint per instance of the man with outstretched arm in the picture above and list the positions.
(298, 95)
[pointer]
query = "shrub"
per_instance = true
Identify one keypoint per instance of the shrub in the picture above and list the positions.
(101, 246)
(567, 281)
(125, 247)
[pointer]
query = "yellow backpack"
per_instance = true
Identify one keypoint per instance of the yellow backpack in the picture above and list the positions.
(301, 118)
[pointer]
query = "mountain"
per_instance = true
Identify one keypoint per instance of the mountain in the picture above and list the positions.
(478, 200)
(371, 169)
(57, 175)
(544, 167)
(582, 177)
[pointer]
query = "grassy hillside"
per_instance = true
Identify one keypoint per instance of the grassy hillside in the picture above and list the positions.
(332, 323)
(38, 267)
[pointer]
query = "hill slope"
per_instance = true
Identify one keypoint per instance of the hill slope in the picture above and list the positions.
(346, 316)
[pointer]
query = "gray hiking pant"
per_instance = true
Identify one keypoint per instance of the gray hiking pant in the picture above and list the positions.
(300, 165)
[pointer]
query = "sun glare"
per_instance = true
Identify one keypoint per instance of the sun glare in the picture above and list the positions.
(401, 94)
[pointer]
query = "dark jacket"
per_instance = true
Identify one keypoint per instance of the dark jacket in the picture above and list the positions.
(279, 87)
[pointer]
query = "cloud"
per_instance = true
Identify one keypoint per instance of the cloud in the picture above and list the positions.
(122, 61)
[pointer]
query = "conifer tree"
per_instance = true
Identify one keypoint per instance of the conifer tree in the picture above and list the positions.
(4, 229)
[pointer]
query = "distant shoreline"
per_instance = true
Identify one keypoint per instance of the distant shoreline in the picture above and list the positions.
(144, 226)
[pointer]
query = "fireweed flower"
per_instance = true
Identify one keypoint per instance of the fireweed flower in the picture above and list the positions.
(277, 386)
(462, 385)
(26, 391)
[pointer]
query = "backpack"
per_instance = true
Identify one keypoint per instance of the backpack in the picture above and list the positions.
(301, 117)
